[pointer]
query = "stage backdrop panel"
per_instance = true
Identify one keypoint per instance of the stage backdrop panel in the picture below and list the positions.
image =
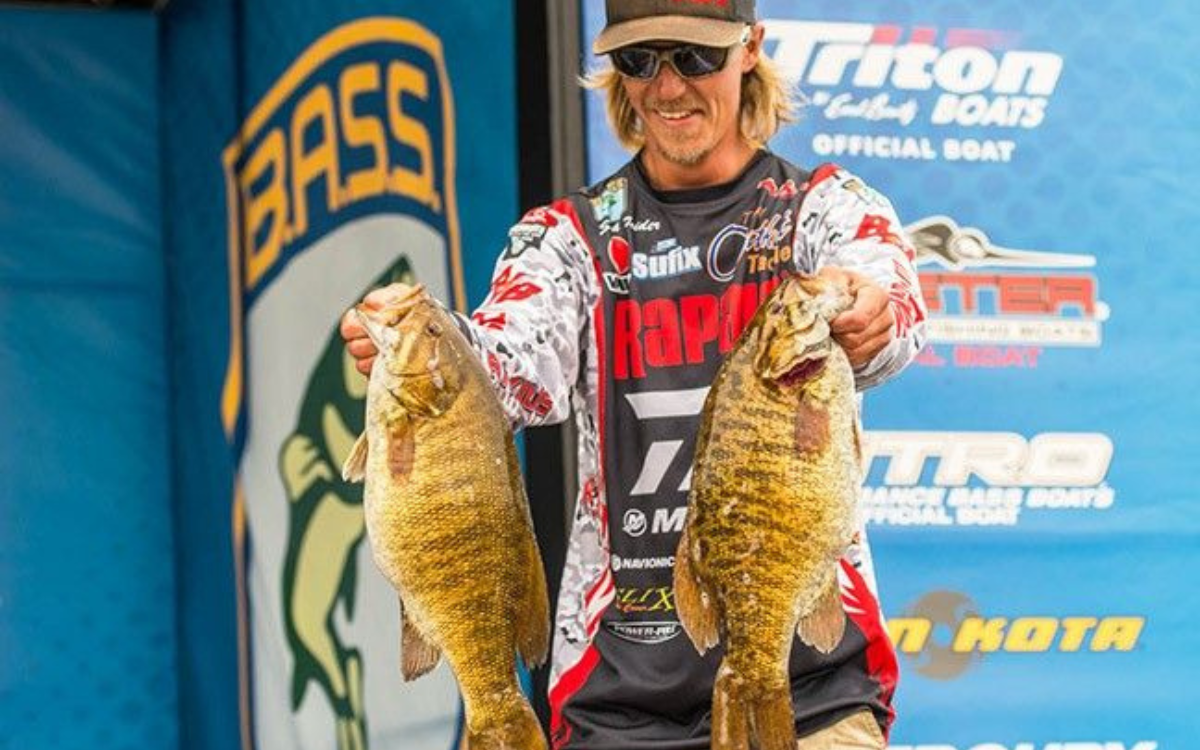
(1031, 475)
(324, 148)
(87, 618)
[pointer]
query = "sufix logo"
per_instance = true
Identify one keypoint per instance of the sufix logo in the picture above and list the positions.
(920, 634)
(999, 306)
(667, 258)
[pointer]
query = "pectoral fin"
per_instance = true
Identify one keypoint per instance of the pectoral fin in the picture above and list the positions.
(355, 467)
(417, 655)
(533, 616)
(824, 627)
(402, 449)
(533, 604)
(696, 605)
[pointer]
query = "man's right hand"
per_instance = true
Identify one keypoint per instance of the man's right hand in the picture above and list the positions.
(358, 343)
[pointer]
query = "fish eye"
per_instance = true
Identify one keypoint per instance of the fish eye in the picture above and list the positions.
(433, 329)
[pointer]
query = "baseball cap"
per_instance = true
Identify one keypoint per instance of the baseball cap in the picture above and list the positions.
(713, 23)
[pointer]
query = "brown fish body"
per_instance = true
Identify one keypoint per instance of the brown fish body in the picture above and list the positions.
(449, 524)
(772, 509)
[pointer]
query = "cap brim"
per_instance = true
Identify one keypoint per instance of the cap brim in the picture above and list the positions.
(710, 32)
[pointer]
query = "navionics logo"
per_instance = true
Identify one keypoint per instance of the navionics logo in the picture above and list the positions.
(921, 634)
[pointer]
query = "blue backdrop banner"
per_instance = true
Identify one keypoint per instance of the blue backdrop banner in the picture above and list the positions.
(1031, 473)
(87, 590)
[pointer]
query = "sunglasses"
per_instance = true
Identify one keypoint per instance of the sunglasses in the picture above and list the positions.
(688, 60)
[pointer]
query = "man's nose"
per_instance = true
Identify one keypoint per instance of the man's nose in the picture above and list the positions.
(668, 84)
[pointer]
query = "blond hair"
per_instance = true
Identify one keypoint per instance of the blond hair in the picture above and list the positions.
(767, 104)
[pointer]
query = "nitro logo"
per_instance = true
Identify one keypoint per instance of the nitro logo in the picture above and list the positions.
(982, 478)
(920, 634)
(979, 292)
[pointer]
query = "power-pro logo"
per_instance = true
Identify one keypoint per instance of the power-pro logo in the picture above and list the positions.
(898, 77)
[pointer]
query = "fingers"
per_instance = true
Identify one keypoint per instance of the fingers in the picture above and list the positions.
(862, 346)
(351, 327)
(867, 327)
(870, 302)
(361, 348)
(358, 344)
(391, 294)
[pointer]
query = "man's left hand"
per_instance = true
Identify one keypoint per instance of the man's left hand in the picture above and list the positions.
(867, 327)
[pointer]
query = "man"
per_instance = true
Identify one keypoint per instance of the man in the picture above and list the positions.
(618, 303)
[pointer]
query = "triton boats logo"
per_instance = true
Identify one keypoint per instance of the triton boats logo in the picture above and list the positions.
(905, 77)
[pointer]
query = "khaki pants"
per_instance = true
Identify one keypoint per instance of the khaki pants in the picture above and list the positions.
(856, 732)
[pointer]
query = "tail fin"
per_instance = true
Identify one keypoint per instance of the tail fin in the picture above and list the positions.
(521, 732)
(744, 718)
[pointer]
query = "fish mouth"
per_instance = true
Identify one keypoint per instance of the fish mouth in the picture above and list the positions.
(805, 369)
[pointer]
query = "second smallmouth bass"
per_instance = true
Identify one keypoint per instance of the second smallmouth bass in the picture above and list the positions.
(772, 509)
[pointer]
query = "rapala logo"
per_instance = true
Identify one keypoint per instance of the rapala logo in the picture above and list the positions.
(661, 333)
(979, 292)
(982, 478)
(920, 634)
(1108, 745)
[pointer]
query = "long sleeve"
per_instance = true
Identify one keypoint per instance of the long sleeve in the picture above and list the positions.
(528, 330)
(846, 224)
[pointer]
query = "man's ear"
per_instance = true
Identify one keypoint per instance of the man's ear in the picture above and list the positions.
(753, 47)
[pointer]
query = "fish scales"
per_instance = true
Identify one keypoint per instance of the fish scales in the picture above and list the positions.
(448, 520)
(776, 476)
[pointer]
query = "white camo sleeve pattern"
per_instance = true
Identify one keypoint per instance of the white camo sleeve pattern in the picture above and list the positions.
(846, 224)
(527, 331)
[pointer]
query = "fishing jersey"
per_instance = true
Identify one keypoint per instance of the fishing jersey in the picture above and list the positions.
(618, 304)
